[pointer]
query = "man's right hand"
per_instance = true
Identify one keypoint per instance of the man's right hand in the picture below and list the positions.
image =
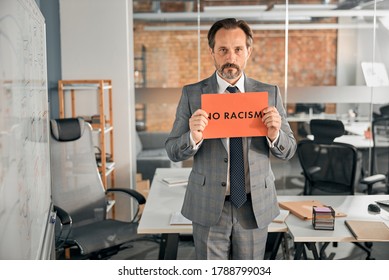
(197, 123)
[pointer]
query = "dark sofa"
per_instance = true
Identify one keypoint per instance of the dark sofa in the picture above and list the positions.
(151, 153)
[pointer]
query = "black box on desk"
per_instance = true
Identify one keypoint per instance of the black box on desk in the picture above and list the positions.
(323, 217)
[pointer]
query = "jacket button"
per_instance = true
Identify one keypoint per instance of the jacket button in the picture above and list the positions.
(224, 184)
(282, 148)
(225, 159)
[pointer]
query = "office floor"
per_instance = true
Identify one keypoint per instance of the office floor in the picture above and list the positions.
(147, 250)
(289, 181)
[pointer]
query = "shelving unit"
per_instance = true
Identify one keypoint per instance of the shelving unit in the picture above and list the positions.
(140, 69)
(103, 125)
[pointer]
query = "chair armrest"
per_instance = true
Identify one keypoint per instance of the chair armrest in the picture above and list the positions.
(64, 216)
(133, 193)
(313, 170)
(66, 227)
(138, 196)
(371, 180)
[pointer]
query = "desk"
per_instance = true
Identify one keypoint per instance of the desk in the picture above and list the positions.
(354, 206)
(358, 141)
(356, 128)
(162, 201)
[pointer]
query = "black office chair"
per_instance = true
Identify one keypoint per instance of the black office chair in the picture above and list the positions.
(79, 196)
(379, 164)
(329, 167)
(384, 110)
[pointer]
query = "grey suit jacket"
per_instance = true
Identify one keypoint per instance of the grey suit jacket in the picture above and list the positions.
(205, 194)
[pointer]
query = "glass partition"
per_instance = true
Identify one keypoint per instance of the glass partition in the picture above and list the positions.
(328, 57)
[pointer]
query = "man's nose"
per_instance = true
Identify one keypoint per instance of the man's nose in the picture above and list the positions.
(231, 57)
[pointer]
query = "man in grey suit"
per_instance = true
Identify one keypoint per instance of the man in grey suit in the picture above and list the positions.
(222, 230)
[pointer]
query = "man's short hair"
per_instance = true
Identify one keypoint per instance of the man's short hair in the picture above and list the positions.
(230, 23)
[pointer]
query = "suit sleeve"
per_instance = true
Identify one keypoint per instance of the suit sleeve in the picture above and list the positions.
(178, 145)
(285, 146)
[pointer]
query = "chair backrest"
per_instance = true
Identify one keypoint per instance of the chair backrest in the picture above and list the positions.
(76, 183)
(325, 131)
(380, 158)
(384, 110)
(335, 163)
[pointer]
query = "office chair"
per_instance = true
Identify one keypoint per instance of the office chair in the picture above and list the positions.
(384, 110)
(329, 167)
(79, 196)
(379, 164)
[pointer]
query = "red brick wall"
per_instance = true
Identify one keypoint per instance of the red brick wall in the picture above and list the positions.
(172, 59)
(179, 6)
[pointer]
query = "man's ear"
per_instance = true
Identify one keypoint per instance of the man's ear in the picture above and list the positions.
(249, 50)
(211, 52)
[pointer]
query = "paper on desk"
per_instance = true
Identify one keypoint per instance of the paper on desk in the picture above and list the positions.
(178, 219)
(368, 230)
(303, 209)
(175, 181)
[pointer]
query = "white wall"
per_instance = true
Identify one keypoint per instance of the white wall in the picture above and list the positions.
(346, 56)
(96, 43)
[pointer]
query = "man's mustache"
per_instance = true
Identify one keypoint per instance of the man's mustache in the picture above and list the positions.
(230, 65)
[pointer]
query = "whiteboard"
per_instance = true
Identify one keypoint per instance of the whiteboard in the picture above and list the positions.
(375, 74)
(25, 202)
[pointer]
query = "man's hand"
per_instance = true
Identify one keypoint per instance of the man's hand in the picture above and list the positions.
(272, 120)
(197, 124)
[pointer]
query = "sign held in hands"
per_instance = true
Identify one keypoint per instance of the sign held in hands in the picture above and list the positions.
(234, 115)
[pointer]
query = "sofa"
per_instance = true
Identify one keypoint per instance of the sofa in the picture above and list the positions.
(151, 153)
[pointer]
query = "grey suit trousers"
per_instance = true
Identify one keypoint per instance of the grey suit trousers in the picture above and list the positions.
(236, 236)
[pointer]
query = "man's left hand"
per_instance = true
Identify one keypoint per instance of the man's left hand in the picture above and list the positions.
(272, 120)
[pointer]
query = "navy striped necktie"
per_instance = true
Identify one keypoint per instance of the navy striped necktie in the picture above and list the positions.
(237, 176)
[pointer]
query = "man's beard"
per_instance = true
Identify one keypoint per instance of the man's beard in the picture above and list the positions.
(230, 74)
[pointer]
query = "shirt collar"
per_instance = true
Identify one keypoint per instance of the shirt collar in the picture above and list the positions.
(222, 84)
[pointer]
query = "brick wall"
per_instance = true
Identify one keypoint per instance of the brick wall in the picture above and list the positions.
(172, 61)
(172, 58)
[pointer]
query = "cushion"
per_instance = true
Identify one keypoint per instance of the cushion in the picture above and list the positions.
(68, 129)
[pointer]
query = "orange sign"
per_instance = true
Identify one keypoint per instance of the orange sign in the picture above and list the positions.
(234, 115)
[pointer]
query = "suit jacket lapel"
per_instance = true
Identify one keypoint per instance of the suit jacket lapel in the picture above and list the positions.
(209, 85)
(250, 85)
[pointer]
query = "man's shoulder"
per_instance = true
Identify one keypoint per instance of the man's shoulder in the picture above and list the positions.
(255, 85)
(258, 83)
(200, 84)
